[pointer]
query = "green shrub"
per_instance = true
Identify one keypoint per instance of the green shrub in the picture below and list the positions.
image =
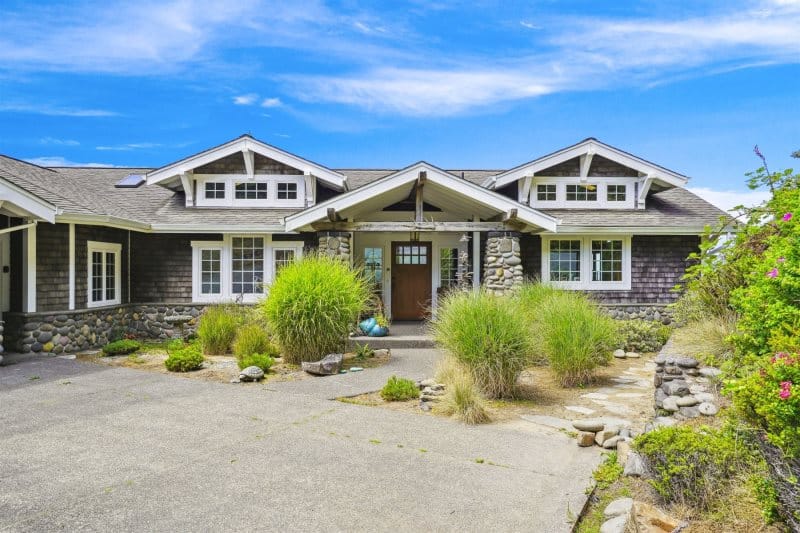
(691, 466)
(312, 305)
(608, 472)
(399, 390)
(462, 399)
(175, 344)
(251, 339)
(488, 335)
(185, 359)
(122, 347)
(642, 336)
(217, 328)
(261, 360)
(363, 351)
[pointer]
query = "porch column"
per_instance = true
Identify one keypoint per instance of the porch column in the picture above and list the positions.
(29, 270)
(335, 244)
(503, 262)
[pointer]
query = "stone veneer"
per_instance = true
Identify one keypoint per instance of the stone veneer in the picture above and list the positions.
(653, 312)
(503, 265)
(336, 244)
(91, 328)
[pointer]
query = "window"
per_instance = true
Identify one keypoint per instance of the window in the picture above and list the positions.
(215, 190)
(104, 269)
(411, 255)
(373, 264)
(581, 193)
(283, 256)
(565, 260)
(448, 267)
(251, 191)
(615, 193)
(210, 271)
(546, 192)
(247, 271)
(287, 191)
(607, 260)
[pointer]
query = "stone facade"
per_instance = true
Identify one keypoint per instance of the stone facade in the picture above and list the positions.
(336, 244)
(503, 266)
(84, 329)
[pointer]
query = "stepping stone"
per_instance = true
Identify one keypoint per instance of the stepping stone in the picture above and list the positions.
(579, 409)
(616, 408)
(623, 380)
(595, 396)
(630, 395)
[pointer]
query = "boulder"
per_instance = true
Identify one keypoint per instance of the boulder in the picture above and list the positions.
(708, 409)
(689, 412)
(704, 397)
(687, 362)
(612, 443)
(585, 439)
(427, 383)
(619, 507)
(327, 366)
(634, 466)
(670, 404)
(649, 519)
(619, 354)
(618, 524)
(602, 436)
(251, 373)
(676, 388)
(592, 426)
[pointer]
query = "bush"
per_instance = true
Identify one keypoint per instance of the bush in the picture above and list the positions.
(261, 360)
(217, 329)
(251, 339)
(399, 390)
(312, 305)
(691, 466)
(488, 335)
(462, 399)
(185, 359)
(642, 336)
(122, 347)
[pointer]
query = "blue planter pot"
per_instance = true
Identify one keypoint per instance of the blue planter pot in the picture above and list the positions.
(367, 325)
(378, 331)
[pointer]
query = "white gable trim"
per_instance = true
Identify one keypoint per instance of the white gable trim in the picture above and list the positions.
(410, 174)
(22, 203)
(247, 146)
(583, 149)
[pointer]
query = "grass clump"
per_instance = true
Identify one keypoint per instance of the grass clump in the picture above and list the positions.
(185, 358)
(261, 360)
(121, 347)
(463, 400)
(217, 329)
(312, 304)
(488, 336)
(707, 338)
(251, 339)
(399, 390)
(642, 335)
(608, 472)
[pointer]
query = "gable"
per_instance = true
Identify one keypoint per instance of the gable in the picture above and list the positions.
(599, 167)
(234, 164)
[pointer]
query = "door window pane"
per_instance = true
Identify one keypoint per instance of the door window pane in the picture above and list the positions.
(248, 265)
(565, 260)
(448, 267)
(411, 255)
(607, 260)
(373, 264)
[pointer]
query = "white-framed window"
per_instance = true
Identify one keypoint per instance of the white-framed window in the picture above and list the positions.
(104, 266)
(215, 190)
(287, 191)
(581, 193)
(261, 190)
(448, 267)
(588, 262)
(616, 193)
(568, 192)
(251, 190)
(210, 271)
(247, 265)
(546, 192)
(373, 264)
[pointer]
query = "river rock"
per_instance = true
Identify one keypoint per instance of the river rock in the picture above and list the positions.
(670, 404)
(687, 362)
(676, 388)
(634, 466)
(327, 366)
(632, 355)
(704, 397)
(251, 373)
(618, 524)
(710, 372)
(619, 354)
(708, 408)
(687, 401)
(611, 444)
(585, 439)
(592, 426)
(619, 507)
(602, 436)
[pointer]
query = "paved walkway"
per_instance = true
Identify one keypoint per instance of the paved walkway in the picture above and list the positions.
(86, 446)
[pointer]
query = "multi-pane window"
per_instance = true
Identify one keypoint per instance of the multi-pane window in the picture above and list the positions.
(283, 256)
(211, 271)
(373, 264)
(615, 193)
(407, 254)
(607, 260)
(287, 191)
(565, 260)
(546, 192)
(581, 193)
(215, 190)
(104, 272)
(448, 267)
(252, 190)
(247, 255)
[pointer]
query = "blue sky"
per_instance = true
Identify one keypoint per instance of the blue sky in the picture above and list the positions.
(462, 84)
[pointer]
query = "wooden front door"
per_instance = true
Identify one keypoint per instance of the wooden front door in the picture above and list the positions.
(411, 280)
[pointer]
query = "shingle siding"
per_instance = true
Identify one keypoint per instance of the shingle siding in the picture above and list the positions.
(52, 267)
(601, 167)
(234, 164)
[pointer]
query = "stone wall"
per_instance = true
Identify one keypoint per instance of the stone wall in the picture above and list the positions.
(655, 313)
(335, 244)
(503, 267)
(91, 328)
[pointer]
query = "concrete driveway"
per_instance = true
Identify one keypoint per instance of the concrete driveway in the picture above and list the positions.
(89, 447)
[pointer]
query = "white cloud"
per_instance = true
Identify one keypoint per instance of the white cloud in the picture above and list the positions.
(55, 111)
(271, 102)
(727, 200)
(245, 99)
(529, 25)
(127, 147)
(58, 161)
(58, 142)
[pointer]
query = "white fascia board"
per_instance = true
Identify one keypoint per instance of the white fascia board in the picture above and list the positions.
(28, 202)
(201, 228)
(169, 172)
(102, 220)
(632, 230)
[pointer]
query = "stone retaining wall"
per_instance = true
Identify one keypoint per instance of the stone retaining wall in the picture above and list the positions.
(654, 313)
(91, 328)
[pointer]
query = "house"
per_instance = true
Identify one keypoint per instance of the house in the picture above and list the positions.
(91, 253)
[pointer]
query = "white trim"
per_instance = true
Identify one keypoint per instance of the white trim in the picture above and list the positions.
(601, 183)
(631, 230)
(586, 282)
(29, 270)
(231, 180)
(71, 259)
(21, 202)
(294, 246)
(104, 247)
(197, 248)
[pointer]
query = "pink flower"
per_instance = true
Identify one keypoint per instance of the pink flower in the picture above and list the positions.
(786, 390)
(787, 217)
(773, 273)
(781, 260)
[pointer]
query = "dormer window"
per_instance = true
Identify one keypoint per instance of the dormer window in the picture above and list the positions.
(615, 193)
(581, 193)
(251, 191)
(546, 192)
(215, 190)
(287, 191)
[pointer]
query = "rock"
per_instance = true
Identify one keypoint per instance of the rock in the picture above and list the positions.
(704, 397)
(623, 452)
(660, 360)
(236, 380)
(431, 392)
(427, 383)
(251, 373)
(652, 520)
(612, 443)
(592, 426)
(687, 401)
(673, 370)
(619, 507)
(634, 466)
(697, 389)
(660, 396)
(619, 354)
(708, 409)
(382, 352)
(602, 436)
(676, 388)
(328, 365)
(618, 524)
(625, 433)
(356, 368)
(689, 412)
(687, 362)
(424, 406)
(585, 439)
(710, 372)
(670, 404)
(632, 355)
(662, 421)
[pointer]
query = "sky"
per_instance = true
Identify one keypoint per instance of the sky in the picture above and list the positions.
(692, 86)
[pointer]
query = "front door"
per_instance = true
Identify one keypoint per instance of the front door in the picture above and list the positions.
(411, 280)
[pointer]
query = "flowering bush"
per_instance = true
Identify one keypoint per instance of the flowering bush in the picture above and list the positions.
(770, 398)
